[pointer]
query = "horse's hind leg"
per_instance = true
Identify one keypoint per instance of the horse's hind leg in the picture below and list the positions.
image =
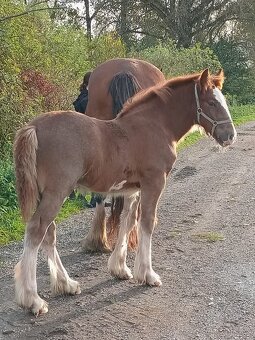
(117, 261)
(96, 240)
(61, 283)
(25, 270)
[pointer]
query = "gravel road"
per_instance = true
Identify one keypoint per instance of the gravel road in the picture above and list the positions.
(203, 249)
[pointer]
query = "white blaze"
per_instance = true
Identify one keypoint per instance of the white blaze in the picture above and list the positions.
(221, 99)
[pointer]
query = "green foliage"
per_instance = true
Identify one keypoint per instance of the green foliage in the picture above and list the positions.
(105, 47)
(8, 198)
(11, 226)
(70, 208)
(173, 61)
(240, 81)
(189, 140)
(42, 64)
(242, 114)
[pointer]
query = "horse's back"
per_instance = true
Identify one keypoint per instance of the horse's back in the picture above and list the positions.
(100, 104)
(64, 139)
(148, 74)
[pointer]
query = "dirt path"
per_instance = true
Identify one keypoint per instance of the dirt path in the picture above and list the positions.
(208, 287)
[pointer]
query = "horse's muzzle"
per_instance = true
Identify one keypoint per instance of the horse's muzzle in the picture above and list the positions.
(228, 140)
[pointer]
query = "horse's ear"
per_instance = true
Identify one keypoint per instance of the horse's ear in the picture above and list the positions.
(220, 73)
(204, 80)
(218, 79)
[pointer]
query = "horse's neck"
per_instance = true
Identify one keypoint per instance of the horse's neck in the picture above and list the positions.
(173, 115)
(179, 112)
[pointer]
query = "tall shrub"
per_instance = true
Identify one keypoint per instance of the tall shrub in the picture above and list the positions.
(173, 61)
(239, 70)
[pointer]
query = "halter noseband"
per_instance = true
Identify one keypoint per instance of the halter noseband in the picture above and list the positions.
(200, 112)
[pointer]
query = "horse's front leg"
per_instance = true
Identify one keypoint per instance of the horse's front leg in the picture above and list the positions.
(150, 194)
(117, 261)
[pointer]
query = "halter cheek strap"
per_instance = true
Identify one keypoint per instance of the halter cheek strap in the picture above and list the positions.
(200, 112)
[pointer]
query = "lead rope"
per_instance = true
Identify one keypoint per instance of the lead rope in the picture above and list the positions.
(200, 112)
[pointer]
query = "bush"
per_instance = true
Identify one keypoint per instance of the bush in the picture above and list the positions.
(8, 197)
(42, 64)
(239, 71)
(174, 62)
(105, 47)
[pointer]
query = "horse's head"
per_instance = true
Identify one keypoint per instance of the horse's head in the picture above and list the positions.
(212, 110)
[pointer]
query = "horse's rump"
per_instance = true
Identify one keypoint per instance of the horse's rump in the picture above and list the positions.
(129, 73)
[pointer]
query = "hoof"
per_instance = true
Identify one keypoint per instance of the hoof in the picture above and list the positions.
(65, 287)
(148, 277)
(95, 246)
(39, 307)
(122, 274)
(118, 268)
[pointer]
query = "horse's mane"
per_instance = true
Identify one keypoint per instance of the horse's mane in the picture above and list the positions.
(162, 90)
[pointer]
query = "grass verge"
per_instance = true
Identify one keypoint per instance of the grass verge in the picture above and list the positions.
(12, 227)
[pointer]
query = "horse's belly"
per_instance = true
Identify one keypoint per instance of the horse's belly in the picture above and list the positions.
(117, 189)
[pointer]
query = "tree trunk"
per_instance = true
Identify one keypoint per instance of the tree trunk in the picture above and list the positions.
(123, 22)
(88, 19)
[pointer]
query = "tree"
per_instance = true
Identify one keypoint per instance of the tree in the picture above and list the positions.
(184, 21)
(245, 28)
(239, 83)
(188, 21)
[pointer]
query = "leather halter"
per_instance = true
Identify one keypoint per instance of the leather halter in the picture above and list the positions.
(200, 112)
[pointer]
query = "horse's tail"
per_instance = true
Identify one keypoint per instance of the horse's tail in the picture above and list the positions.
(123, 86)
(25, 147)
(113, 223)
(114, 219)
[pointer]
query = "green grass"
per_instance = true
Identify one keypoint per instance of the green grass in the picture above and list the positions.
(69, 208)
(174, 234)
(12, 227)
(242, 114)
(209, 236)
(189, 140)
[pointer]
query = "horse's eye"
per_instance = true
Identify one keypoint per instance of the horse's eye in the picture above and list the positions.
(212, 104)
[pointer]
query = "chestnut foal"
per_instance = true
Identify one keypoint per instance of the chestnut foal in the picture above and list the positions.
(130, 154)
